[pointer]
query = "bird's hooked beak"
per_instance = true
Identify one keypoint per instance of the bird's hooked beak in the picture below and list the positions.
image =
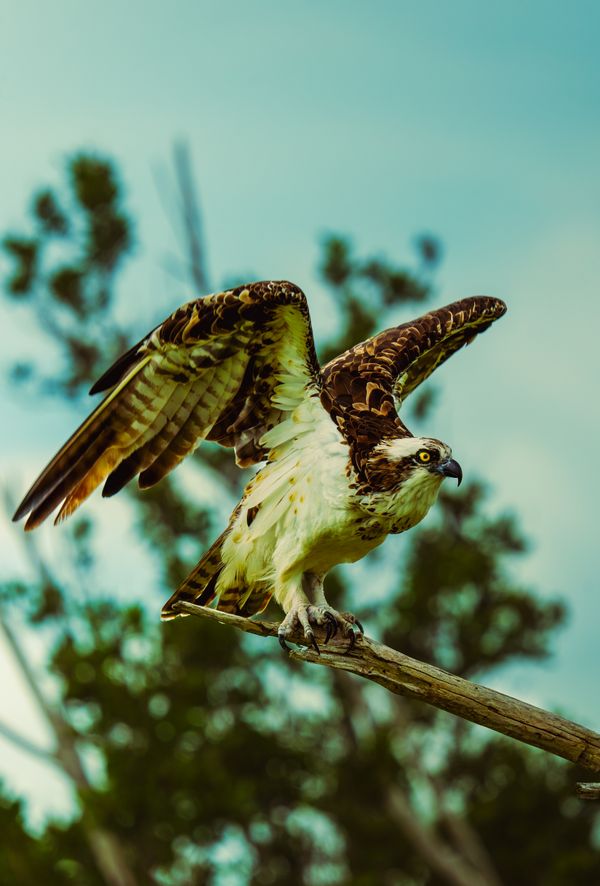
(450, 468)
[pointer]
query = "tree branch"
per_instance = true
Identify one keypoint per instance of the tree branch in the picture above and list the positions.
(440, 858)
(24, 744)
(190, 213)
(465, 837)
(28, 673)
(453, 864)
(588, 790)
(106, 848)
(406, 676)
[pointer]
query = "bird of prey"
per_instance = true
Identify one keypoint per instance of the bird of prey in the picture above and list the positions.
(340, 469)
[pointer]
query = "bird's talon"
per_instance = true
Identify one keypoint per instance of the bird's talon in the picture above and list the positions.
(328, 621)
(311, 639)
(331, 626)
(352, 622)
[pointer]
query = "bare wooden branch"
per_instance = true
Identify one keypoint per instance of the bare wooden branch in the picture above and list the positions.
(588, 790)
(406, 676)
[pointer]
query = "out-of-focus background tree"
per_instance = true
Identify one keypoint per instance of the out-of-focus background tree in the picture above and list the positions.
(199, 756)
(132, 752)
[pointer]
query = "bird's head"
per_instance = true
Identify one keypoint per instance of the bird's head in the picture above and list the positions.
(417, 461)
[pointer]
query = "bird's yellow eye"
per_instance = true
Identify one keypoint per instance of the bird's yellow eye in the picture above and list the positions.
(424, 456)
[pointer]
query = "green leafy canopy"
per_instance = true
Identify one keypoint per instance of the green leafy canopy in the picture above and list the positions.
(208, 757)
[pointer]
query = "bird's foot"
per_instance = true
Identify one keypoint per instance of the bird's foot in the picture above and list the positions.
(305, 616)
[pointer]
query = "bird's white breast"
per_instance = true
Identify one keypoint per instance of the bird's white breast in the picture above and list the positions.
(301, 512)
(296, 514)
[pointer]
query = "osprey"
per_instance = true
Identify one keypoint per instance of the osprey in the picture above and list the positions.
(341, 471)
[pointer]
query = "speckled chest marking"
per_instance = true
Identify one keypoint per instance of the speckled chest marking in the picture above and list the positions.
(301, 512)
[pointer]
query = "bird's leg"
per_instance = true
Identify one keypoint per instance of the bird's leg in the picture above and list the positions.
(296, 606)
(326, 614)
(301, 612)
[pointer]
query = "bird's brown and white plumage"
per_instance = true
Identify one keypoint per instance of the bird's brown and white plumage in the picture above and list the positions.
(341, 469)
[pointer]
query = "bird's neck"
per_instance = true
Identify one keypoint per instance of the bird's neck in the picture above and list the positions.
(406, 505)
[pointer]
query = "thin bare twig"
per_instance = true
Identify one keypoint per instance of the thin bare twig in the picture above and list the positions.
(407, 676)
(192, 223)
(28, 673)
(25, 744)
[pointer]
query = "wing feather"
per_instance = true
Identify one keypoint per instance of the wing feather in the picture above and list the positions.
(361, 387)
(155, 440)
(194, 427)
(211, 369)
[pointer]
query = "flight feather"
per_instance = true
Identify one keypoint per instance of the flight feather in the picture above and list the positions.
(341, 470)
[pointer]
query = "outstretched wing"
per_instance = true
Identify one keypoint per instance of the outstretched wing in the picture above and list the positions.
(226, 367)
(361, 387)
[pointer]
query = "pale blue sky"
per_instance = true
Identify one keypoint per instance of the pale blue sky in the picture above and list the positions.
(479, 122)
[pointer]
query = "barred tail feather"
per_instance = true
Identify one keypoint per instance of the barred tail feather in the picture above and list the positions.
(200, 587)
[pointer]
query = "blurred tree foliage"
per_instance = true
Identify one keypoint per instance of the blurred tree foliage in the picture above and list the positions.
(200, 756)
